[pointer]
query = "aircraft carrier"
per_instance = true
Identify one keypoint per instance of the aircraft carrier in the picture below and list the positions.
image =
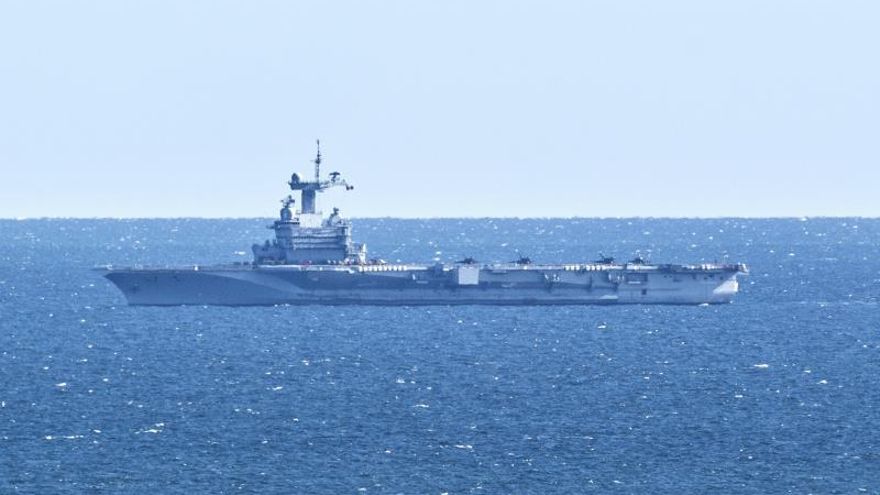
(312, 260)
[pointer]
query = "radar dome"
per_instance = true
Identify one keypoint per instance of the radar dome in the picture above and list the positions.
(295, 178)
(286, 214)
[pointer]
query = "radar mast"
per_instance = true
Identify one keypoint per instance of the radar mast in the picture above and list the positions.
(309, 190)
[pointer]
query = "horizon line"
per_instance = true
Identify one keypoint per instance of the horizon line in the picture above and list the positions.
(484, 217)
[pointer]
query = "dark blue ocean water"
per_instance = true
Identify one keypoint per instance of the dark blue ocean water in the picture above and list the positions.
(776, 393)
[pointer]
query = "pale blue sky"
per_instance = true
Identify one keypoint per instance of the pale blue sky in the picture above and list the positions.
(448, 108)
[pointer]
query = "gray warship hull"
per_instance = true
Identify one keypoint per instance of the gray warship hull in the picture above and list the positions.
(502, 284)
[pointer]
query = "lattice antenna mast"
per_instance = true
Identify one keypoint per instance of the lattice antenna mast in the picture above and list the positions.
(318, 162)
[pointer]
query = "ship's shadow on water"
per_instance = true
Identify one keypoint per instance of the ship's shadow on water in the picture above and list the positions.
(773, 393)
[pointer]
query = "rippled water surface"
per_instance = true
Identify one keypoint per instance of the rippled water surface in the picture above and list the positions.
(776, 393)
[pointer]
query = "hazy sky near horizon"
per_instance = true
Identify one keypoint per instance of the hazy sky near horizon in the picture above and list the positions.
(441, 109)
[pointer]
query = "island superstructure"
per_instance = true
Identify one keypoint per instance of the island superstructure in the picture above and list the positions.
(313, 260)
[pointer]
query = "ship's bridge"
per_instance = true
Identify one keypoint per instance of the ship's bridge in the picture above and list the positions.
(306, 237)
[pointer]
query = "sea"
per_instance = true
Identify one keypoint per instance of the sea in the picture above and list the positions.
(778, 392)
